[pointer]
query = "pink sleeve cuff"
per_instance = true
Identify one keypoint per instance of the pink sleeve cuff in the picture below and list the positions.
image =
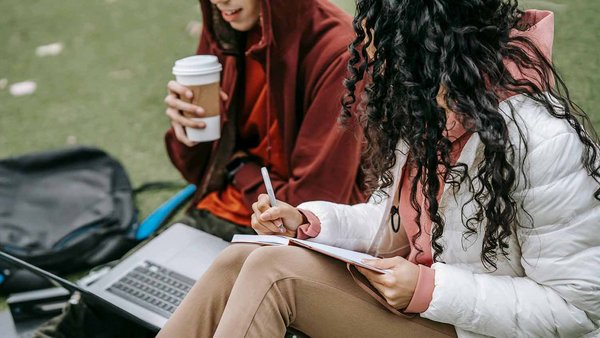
(423, 292)
(312, 228)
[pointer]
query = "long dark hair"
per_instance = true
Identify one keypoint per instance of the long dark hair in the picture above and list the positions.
(460, 48)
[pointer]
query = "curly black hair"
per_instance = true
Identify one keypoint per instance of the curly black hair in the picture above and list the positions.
(461, 49)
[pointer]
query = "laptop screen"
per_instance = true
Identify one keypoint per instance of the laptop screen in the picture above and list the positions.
(59, 281)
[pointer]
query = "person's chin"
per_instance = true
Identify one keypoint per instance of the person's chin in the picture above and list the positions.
(241, 26)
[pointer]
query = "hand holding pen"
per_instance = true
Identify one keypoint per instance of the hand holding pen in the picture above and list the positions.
(271, 194)
(272, 217)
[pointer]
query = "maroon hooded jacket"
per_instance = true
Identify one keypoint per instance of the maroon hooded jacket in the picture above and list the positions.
(304, 54)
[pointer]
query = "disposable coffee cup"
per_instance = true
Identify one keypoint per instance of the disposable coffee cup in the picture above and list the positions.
(201, 74)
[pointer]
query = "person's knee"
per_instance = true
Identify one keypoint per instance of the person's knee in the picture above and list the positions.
(234, 256)
(276, 261)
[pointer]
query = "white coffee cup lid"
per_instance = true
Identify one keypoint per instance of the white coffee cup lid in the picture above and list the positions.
(197, 65)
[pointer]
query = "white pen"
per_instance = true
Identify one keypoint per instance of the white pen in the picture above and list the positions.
(270, 192)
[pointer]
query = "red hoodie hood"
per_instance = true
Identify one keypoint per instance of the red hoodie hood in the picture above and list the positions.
(290, 30)
(282, 21)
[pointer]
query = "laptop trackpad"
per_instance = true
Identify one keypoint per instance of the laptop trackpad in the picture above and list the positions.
(195, 258)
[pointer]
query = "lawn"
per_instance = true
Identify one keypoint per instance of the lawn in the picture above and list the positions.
(106, 87)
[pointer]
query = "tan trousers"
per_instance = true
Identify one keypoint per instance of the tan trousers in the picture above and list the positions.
(254, 291)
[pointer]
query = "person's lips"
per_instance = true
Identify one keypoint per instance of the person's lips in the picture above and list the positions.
(230, 14)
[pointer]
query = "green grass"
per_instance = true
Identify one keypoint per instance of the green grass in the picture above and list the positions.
(106, 88)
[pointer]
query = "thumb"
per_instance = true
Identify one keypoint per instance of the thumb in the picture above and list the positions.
(384, 263)
(272, 214)
(275, 215)
(223, 95)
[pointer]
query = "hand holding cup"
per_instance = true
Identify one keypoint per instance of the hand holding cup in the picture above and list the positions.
(179, 111)
(193, 99)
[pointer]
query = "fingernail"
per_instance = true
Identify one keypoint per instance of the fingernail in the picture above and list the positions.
(281, 229)
(200, 125)
(189, 94)
(200, 111)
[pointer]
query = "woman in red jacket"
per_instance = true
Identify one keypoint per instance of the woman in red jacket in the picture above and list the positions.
(284, 64)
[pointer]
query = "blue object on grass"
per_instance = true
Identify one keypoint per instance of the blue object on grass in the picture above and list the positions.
(158, 216)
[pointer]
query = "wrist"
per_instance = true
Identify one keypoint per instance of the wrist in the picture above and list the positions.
(291, 233)
(423, 290)
(310, 225)
(294, 222)
(302, 219)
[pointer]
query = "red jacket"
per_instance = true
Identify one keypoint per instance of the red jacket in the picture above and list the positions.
(304, 54)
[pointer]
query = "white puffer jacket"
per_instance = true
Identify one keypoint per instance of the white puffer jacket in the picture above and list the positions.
(549, 284)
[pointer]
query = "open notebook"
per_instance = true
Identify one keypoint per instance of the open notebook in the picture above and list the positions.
(348, 256)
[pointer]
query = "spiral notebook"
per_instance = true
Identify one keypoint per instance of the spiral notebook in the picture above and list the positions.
(348, 256)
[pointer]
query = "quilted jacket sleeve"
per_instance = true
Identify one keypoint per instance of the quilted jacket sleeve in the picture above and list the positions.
(351, 227)
(560, 292)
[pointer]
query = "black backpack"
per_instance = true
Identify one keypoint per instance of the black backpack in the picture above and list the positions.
(63, 211)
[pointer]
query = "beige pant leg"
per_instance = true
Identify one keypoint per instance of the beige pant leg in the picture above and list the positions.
(281, 286)
(200, 312)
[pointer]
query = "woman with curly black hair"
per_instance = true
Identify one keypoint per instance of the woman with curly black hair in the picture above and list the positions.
(486, 195)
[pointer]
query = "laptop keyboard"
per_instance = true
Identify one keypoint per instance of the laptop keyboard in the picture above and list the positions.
(153, 287)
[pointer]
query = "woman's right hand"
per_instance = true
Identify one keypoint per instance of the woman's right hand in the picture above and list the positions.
(266, 220)
(176, 108)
